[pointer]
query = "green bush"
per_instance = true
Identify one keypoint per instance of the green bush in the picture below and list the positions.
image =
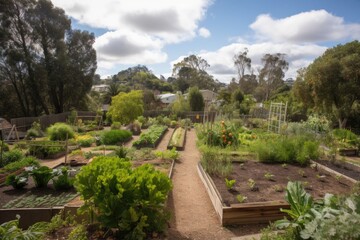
(59, 131)
(345, 136)
(41, 176)
(11, 156)
(113, 137)
(62, 181)
(4, 146)
(131, 200)
(26, 161)
(85, 140)
(35, 131)
(78, 233)
(295, 149)
(121, 152)
(116, 125)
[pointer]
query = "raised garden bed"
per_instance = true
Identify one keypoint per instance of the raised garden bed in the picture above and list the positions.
(342, 167)
(348, 151)
(264, 205)
(151, 138)
(177, 139)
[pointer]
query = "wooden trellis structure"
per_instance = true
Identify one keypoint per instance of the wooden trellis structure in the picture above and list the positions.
(277, 116)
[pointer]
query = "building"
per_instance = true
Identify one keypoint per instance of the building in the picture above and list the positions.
(167, 98)
(100, 88)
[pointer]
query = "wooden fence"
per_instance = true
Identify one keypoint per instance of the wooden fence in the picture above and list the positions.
(24, 123)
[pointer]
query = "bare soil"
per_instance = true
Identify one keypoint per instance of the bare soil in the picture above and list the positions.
(317, 186)
(344, 168)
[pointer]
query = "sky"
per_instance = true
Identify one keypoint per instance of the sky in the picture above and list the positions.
(160, 33)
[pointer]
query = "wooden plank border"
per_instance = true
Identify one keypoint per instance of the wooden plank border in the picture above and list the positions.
(333, 171)
(245, 213)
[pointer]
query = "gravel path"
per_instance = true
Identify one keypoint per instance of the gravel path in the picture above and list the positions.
(193, 216)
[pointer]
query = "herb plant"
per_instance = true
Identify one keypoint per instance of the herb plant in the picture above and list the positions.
(230, 184)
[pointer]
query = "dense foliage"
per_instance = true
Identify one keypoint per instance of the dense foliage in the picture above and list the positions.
(113, 137)
(150, 137)
(126, 107)
(60, 132)
(335, 217)
(47, 67)
(24, 162)
(131, 200)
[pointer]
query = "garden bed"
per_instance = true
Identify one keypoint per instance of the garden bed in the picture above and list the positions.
(264, 205)
(342, 167)
(178, 139)
(151, 138)
(348, 151)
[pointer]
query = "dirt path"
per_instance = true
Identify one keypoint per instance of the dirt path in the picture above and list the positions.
(193, 216)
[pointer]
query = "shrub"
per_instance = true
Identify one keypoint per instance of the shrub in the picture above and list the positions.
(34, 131)
(345, 136)
(11, 156)
(113, 137)
(85, 140)
(134, 128)
(27, 161)
(221, 135)
(131, 200)
(78, 233)
(17, 182)
(168, 154)
(59, 131)
(41, 176)
(295, 149)
(116, 125)
(121, 152)
(62, 181)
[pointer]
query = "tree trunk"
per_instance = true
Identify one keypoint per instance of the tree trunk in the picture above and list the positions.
(342, 122)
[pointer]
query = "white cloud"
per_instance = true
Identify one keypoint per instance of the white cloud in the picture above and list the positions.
(222, 65)
(138, 29)
(305, 27)
(205, 33)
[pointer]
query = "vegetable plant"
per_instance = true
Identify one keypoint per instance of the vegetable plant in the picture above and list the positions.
(130, 200)
(62, 181)
(230, 184)
(59, 131)
(113, 137)
(17, 182)
(41, 176)
(241, 198)
(150, 137)
(252, 185)
(269, 176)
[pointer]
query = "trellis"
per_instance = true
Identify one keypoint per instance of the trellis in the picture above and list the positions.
(277, 116)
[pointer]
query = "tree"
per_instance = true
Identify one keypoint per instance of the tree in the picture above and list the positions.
(180, 105)
(272, 74)
(237, 97)
(242, 62)
(334, 80)
(49, 66)
(196, 99)
(126, 107)
(112, 90)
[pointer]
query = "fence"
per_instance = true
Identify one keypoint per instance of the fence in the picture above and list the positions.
(24, 123)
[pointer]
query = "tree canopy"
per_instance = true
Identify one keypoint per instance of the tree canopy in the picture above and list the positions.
(334, 81)
(126, 107)
(196, 99)
(44, 63)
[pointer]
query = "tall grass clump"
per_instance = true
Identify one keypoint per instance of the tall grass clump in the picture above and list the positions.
(59, 131)
(294, 149)
(216, 163)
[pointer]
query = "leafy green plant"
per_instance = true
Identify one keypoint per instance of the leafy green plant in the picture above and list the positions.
(302, 173)
(11, 156)
(10, 230)
(241, 198)
(300, 204)
(85, 140)
(320, 177)
(252, 185)
(150, 137)
(269, 176)
(168, 154)
(131, 200)
(26, 161)
(17, 182)
(121, 152)
(41, 176)
(116, 125)
(284, 165)
(230, 184)
(35, 131)
(4, 146)
(62, 181)
(46, 149)
(78, 233)
(59, 131)
(113, 137)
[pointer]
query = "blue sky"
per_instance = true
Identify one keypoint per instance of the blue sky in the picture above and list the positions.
(159, 33)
